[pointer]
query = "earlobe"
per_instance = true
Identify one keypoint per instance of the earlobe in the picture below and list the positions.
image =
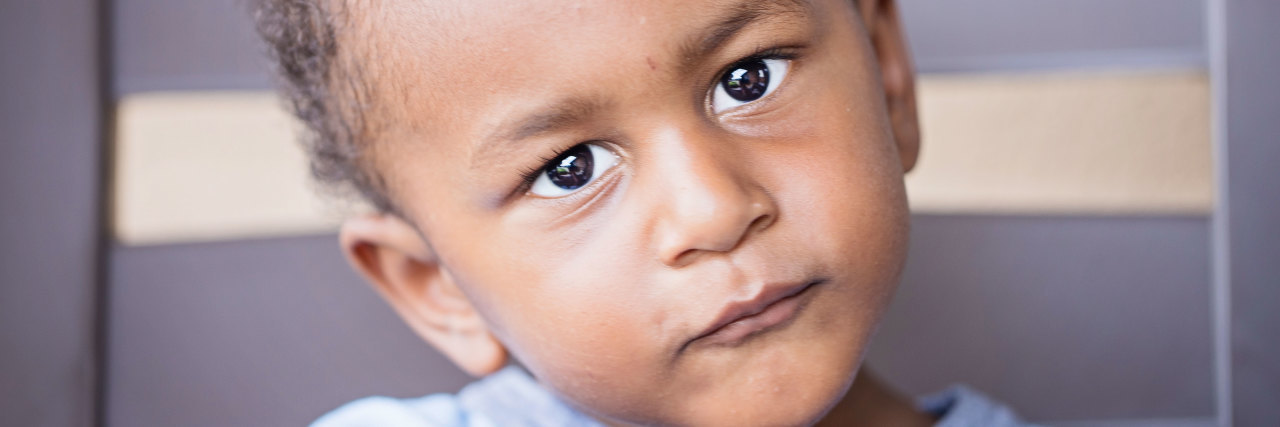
(394, 258)
(888, 38)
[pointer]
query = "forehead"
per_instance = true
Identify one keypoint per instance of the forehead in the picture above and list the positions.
(474, 25)
(441, 62)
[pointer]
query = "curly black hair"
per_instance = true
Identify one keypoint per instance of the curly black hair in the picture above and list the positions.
(324, 86)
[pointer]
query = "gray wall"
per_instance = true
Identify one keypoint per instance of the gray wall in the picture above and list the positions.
(254, 332)
(179, 45)
(1067, 318)
(1250, 220)
(184, 45)
(49, 157)
(1002, 35)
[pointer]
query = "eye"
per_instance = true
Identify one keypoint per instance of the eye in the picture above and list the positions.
(748, 80)
(572, 169)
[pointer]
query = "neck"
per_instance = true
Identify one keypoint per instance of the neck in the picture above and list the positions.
(870, 402)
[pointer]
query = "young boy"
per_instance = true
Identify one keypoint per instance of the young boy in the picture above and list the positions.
(668, 212)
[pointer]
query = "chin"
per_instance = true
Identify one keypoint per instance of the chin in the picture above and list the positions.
(792, 378)
(789, 396)
(800, 392)
(794, 409)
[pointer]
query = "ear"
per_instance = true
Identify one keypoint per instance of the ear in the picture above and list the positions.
(393, 256)
(896, 73)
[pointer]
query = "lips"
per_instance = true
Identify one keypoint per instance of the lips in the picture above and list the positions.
(775, 305)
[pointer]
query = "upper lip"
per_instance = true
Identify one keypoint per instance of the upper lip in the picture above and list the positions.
(768, 295)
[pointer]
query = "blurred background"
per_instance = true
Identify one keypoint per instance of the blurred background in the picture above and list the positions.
(1096, 221)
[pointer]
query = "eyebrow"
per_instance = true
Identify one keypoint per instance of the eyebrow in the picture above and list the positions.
(744, 14)
(569, 112)
(562, 114)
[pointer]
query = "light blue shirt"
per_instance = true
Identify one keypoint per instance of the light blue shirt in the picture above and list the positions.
(511, 397)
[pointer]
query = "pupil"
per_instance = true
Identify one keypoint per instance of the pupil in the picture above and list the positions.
(572, 169)
(746, 80)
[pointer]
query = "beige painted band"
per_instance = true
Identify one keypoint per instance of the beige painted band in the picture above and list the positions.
(199, 166)
(1100, 143)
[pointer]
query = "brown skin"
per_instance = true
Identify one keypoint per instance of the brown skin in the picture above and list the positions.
(870, 403)
(602, 293)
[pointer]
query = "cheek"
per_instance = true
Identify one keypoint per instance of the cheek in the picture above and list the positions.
(569, 307)
(857, 210)
(842, 189)
(835, 169)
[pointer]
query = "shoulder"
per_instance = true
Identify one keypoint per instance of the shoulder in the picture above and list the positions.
(508, 397)
(433, 410)
(960, 406)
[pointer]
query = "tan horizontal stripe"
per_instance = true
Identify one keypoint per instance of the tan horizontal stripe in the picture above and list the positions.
(198, 166)
(1087, 143)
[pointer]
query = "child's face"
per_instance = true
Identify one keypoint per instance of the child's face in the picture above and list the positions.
(697, 202)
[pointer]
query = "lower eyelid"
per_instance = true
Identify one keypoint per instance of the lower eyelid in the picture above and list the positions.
(606, 183)
(571, 207)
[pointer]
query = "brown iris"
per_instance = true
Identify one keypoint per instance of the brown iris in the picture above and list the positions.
(572, 169)
(746, 80)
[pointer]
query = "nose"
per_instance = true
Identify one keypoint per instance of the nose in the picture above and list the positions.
(711, 204)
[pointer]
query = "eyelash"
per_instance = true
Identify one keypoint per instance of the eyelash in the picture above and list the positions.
(788, 53)
(530, 174)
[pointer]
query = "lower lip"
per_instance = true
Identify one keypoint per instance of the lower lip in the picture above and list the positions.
(775, 315)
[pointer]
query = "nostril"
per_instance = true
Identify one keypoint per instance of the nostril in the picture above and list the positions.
(682, 259)
(760, 223)
(690, 252)
(765, 217)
